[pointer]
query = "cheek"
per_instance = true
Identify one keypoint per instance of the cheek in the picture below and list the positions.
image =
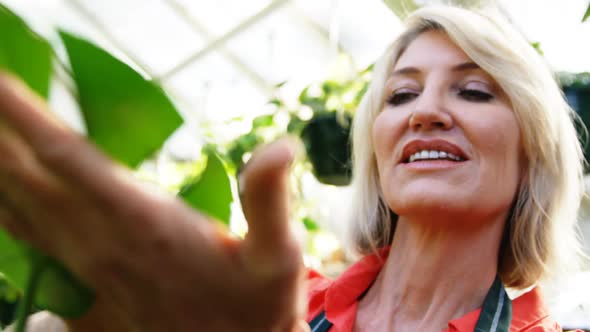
(497, 142)
(386, 132)
(379, 133)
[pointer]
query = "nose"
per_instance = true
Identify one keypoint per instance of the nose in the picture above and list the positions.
(430, 113)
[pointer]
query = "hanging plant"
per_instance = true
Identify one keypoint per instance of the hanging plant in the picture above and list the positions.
(576, 88)
(326, 135)
(327, 142)
(322, 117)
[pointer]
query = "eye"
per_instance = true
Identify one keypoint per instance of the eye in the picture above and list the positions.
(475, 95)
(401, 97)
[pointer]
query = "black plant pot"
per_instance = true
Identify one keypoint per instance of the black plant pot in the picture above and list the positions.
(578, 97)
(326, 139)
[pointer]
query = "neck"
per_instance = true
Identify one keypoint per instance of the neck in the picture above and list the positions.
(433, 275)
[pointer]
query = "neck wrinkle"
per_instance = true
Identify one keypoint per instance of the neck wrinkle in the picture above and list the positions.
(433, 275)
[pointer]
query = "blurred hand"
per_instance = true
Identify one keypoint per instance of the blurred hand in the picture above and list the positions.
(155, 263)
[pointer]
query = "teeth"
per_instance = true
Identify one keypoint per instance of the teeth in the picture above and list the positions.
(433, 154)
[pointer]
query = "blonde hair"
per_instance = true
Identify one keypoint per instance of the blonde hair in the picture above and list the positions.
(540, 233)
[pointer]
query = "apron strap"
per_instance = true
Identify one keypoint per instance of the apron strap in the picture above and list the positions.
(496, 312)
(495, 316)
(320, 323)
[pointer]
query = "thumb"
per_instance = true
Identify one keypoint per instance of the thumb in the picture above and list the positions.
(264, 189)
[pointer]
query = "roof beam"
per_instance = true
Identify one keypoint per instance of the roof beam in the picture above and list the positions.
(181, 11)
(100, 26)
(218, 42)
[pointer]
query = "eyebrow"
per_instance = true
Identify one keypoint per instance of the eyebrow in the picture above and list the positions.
(457, 68)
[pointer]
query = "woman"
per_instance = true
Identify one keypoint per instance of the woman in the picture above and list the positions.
(468, 177)
(468, 166)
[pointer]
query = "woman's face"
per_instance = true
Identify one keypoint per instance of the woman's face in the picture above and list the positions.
(447, 142)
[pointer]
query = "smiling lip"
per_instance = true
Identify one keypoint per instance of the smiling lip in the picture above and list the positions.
(435, 144)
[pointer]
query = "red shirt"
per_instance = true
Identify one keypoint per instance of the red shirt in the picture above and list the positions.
(339, 298)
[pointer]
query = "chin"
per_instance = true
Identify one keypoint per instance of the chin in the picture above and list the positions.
(435, 207)
(448, 209)
(440, 203)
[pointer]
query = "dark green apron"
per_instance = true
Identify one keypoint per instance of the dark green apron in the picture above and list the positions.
(495, 316)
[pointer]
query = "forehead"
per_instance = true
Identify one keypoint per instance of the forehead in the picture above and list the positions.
(431, 49)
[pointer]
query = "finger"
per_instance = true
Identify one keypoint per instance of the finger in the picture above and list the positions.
(11, 169)
(27, 113)
(21, 171)
(79, 166)
(265, 201)
(32, 191)
(18, 227)
(301, 326)
(10, 224)
(63, 151)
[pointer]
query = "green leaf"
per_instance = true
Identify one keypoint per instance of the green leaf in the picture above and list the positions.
(277, 102)
(310, 224)
(241, 145)
(127, 116)
(368, 69)
(8, 292)
(317, 104)
(60, 292)
(235, 154)
(211, 193)
(24, 53)
(15, 261)
(360, 94)
(249, 141)
(296, 125)
(331, 87)
(587, 14)
(401, 8)
(263, 121)
(281, 84)
(537, 47)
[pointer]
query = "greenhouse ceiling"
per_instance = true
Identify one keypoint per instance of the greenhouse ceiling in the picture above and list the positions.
(223, 59)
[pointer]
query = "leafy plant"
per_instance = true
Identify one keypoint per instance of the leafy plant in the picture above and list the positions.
(328, 106)
(327, 142)
(127, 116)
(248, 142)
(326, 134)
(29, 56)
(574, 80)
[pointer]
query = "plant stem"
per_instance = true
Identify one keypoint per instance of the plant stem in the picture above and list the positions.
(26, 303)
